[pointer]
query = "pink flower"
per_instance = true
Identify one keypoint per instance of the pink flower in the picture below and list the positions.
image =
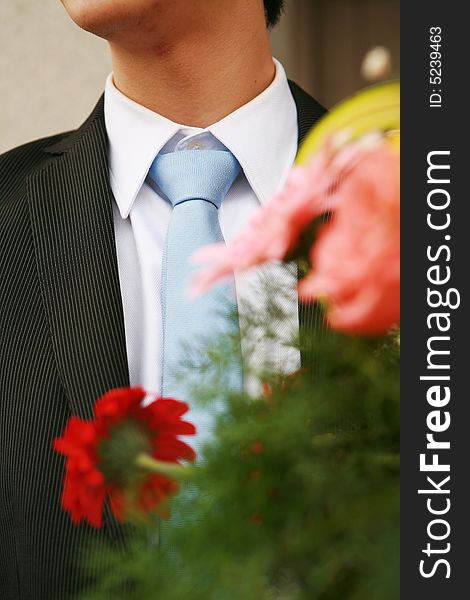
(356, 257)
(274, 231)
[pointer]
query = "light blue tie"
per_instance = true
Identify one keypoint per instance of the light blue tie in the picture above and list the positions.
(195, 182)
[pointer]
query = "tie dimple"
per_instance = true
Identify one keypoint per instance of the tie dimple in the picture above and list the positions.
(195, 174)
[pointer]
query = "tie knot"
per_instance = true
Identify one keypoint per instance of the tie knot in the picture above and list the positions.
(195, 174)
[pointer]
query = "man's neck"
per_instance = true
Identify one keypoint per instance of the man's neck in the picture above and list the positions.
(201, 75)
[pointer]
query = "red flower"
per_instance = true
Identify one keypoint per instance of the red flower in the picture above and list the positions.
(101, 455)
(257, 447)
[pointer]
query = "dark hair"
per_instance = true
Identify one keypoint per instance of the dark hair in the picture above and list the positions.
(273, 10)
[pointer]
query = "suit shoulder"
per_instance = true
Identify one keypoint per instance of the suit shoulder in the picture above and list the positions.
(18, 163)
(305, 101)
(309, 110)
(30, 154)
(16, 166)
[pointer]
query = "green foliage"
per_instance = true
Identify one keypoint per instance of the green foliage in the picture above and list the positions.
(297, 496)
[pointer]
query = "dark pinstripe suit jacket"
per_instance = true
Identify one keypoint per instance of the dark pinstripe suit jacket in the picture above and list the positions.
(62, 340)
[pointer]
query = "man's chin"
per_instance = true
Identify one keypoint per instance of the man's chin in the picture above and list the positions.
(105, 18)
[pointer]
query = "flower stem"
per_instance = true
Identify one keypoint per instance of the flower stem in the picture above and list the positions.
(172, 470)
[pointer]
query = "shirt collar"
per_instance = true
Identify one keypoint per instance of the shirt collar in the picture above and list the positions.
(261, 134)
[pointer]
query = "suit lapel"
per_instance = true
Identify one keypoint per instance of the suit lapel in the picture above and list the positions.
(72, 222)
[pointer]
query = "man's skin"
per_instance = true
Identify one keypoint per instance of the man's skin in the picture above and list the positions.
(192, 62)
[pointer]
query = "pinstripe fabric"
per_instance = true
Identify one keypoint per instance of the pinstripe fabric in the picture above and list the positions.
(62, 341)
(310, 316)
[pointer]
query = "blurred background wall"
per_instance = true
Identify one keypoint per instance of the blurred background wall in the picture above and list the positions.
(51, 72)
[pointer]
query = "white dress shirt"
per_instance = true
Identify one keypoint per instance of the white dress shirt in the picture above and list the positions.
(262, 135)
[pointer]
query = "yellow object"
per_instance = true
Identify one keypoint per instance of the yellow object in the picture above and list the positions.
(376, 108)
